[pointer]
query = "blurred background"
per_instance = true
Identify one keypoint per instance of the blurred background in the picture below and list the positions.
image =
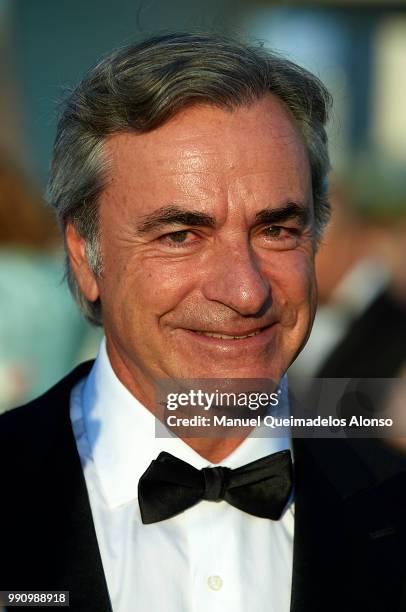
(358, 50)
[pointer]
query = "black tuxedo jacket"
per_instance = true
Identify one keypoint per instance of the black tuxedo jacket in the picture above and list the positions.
(350, 540)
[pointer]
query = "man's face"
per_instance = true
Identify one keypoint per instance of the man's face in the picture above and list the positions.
(206, 227)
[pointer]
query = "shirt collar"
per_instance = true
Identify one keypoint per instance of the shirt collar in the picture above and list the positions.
(120, 433)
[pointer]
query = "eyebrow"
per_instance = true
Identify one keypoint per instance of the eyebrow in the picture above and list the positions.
(172, 215)
(284, 213)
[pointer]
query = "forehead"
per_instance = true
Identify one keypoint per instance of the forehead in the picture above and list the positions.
(205, 151)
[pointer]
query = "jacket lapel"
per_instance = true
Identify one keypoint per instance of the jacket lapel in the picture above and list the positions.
(82, 562)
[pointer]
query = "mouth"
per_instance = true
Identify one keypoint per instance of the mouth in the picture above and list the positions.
(223, 336)
(232, 336)
(241, 346)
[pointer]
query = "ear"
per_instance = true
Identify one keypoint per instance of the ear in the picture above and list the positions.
(85, 278)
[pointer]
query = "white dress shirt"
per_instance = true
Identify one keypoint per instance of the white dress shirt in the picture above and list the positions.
(212, 557)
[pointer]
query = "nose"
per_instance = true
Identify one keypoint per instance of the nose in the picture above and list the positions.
(235, 279)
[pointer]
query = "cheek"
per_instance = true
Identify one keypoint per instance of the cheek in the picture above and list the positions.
(146, 289)
(165, 283)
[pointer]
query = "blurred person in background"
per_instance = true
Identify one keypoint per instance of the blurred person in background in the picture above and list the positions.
(360, 326)
(42, 336)
(359, 332)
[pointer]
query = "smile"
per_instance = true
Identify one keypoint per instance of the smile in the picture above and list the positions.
(233, 336)
(226, 336)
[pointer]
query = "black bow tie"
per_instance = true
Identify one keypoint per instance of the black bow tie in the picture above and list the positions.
(170, 486)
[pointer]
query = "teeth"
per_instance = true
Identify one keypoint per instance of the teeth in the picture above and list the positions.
(225, 337)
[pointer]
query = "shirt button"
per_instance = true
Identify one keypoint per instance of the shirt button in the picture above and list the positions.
(215, 583)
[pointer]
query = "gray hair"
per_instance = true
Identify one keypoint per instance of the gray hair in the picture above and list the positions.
(140, 87)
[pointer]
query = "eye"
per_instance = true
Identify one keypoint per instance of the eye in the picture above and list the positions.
(281, 237)
(179, 239)
(274, 231)
(279, 231)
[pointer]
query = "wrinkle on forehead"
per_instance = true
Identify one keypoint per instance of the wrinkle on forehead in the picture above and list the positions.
(196, 136)
(208, 157)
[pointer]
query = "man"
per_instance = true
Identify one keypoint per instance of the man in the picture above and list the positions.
(189, 176)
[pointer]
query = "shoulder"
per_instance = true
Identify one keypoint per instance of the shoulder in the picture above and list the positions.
(44, 497)
(28, 426)
(38, 454)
